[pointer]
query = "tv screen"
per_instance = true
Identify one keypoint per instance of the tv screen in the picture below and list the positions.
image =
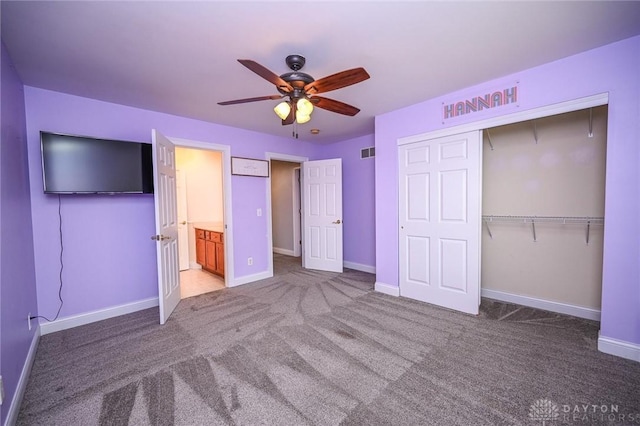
(85, 165)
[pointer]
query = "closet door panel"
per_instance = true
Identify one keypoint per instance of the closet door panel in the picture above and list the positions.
(440, 218)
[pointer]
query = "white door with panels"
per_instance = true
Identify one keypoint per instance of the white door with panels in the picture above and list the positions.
(322, 214)
(440, 221)
(164, 180)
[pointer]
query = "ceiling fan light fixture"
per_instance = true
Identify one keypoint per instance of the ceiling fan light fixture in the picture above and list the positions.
(304, 106)
(301, 117)
(282, 110)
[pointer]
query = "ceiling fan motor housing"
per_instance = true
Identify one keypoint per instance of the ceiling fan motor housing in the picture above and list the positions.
(295, 62)
(297, 79)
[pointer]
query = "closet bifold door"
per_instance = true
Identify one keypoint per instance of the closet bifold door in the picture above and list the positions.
(440, 221)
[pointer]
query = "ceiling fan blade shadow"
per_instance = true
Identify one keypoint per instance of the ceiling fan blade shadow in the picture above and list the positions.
(337, 81)
(334, 106)
(291, 117)
(266, 74)
(244, 101)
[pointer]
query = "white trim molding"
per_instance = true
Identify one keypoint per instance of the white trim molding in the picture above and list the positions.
(389, 289)
(359, 267)
(620, 348)
(547, 305)
(16, 402)
(99, 315)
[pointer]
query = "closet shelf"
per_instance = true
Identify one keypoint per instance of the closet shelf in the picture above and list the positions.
(565, 220)
(547, 219)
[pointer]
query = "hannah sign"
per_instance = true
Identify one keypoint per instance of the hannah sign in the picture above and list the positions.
(480, 103)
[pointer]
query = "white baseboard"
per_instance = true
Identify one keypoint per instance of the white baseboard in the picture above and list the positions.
(286, 252)
(359, 267)
(16, 402)
(391, 290)
(89, 317)
(619, 348)
(250, 278)
(547, 305)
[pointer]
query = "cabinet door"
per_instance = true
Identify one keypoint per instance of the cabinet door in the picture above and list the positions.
(220, 258)
(200, 251)
(210, 248)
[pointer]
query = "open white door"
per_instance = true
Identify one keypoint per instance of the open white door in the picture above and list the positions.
(164, 180)
(440, 221)
(322, 214)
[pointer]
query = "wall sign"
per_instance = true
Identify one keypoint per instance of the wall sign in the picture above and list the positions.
(249, 167)
(479, 103)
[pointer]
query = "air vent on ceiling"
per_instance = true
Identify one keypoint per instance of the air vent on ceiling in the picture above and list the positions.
(368, 152)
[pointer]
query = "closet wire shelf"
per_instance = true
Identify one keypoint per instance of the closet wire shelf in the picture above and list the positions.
(564, 220)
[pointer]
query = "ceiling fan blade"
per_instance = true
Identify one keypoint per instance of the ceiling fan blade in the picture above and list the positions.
(334, 106)
(337, 81)
(244, 101)
(266, 74)
(292, 115)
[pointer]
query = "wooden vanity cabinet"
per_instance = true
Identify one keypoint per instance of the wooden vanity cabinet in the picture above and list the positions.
(210, 251)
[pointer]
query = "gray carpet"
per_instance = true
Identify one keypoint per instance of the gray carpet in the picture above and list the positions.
(308, 347)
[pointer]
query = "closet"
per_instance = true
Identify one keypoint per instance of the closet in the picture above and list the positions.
(521, 220)
(543, 208)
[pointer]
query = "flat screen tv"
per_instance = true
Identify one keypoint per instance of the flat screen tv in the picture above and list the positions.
(86, 165)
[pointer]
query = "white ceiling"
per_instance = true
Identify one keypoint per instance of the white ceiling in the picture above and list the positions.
(180, 57)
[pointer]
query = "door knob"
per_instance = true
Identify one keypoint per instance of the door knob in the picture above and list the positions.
(160, 237)
(184, 222)
(337, 222)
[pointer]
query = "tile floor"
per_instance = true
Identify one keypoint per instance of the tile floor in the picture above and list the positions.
(196, 281)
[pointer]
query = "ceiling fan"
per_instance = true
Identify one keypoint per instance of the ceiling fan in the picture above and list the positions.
(301, 88)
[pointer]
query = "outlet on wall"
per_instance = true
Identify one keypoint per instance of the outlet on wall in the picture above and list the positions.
(250, 261)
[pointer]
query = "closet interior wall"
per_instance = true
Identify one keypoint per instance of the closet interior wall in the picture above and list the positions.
(547, 167)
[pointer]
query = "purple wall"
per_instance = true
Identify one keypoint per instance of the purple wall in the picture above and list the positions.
(17, 271)
(108, 255)
(358, 194)
(615, 69)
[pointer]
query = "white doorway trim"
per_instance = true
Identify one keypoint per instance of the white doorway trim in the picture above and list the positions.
(516, 117)
(229, 275)
(282, 157)
(297, 212)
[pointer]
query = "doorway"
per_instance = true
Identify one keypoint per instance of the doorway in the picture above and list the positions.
(200, 197)
(284, 206)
